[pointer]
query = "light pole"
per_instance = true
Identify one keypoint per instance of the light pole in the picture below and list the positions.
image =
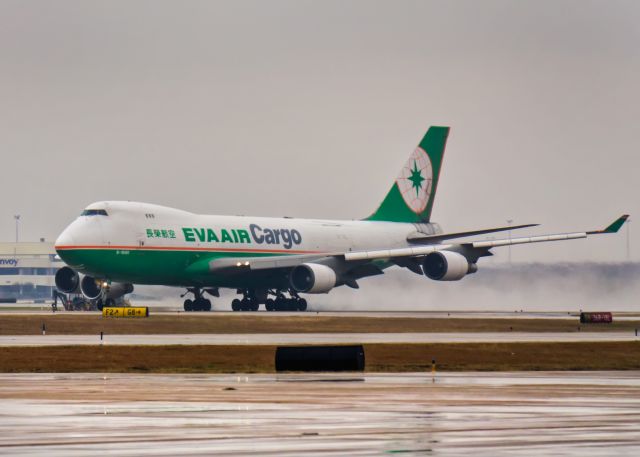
(509, 221)
(17, 218)
(628, 241)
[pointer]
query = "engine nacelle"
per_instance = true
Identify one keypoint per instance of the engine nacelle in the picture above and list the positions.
(313, 278)
(118, 289)
(447, 266)
(68, 280)
(91, 287)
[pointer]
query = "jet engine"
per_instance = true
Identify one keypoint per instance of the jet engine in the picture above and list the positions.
(90, 288)
(313, 278)
(93, 288)
(68, 280)
(447, 266)
(118, 289)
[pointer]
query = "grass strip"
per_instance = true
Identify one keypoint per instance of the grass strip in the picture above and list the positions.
(379, 358)
(94, 323)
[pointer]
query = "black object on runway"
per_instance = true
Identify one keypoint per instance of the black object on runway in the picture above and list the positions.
(320, 358)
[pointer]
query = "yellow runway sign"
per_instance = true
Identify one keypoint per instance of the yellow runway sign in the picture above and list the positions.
(126, 312)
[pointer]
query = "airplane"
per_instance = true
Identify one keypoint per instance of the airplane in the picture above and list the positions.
(271, 261)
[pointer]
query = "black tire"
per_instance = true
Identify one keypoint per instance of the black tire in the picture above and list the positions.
(255, 306)
(235, 304)
(245, 305)
(207, 305)
(188, 305)
(270, 305)
(302, 304)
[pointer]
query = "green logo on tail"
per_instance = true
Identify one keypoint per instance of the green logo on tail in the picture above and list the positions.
(416, 178)
(411, 196)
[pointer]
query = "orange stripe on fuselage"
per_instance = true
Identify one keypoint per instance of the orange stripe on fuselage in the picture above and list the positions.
(179, 248)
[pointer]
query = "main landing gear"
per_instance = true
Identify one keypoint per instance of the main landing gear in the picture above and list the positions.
(199, 303)
(286, 304)
(251, 301)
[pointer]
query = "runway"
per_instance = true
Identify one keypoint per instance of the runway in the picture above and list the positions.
(39, 309)
(312, 338)
(568, 413)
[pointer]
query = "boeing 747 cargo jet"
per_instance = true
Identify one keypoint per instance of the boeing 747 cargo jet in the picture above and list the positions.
(113, 245)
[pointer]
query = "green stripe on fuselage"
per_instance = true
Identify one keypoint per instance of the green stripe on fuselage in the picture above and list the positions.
(147, 266)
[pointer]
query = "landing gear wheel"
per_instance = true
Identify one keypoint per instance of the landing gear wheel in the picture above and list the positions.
(302, 304)
(270, 305)
(254, 306)
(199, 303)
(282, 304)
(99, 305)
(235, 304)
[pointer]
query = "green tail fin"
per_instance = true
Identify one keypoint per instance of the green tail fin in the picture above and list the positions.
(412, 194)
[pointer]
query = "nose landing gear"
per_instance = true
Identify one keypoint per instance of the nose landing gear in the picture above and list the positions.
(106, 303)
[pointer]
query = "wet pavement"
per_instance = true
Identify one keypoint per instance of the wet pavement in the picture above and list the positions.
(314, 338)
(559, 413)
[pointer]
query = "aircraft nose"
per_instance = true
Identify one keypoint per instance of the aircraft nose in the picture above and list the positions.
(65, 239)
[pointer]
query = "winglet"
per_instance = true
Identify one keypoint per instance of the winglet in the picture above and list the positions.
(614, 227)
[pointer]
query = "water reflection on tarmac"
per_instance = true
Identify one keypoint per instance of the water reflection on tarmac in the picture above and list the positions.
(568, 413)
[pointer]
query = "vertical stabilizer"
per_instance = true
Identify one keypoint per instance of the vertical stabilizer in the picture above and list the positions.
(412, 194)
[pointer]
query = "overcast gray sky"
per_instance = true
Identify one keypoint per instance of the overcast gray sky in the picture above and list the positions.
(309, 109)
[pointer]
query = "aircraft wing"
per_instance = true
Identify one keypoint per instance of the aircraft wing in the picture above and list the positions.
(359, 264)
(419, 238)
(479, 248)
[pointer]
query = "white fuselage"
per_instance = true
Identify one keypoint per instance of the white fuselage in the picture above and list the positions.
(97, 243)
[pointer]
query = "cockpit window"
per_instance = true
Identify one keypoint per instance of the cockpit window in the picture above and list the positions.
(94, 212)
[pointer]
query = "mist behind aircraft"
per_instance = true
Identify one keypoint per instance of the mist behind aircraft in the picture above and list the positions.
(503, 287)
(561, 287)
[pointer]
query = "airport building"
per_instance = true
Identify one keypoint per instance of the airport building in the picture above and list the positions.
(27, 271)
